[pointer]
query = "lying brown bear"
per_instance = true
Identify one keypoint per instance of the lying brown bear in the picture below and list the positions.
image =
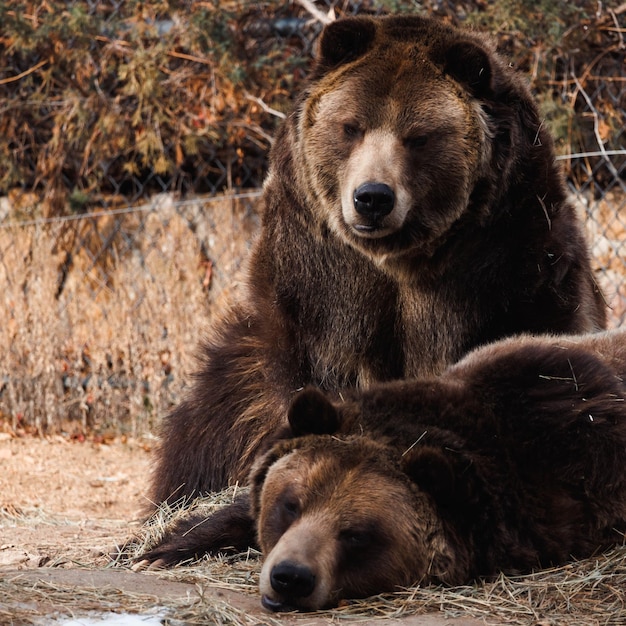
(513, 459)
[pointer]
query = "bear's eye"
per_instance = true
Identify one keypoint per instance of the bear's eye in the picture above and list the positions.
(414, 143)
(291, 508)
(356, 539)
(352, 131)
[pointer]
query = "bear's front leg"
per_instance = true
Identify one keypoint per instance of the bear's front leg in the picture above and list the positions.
(230, 529)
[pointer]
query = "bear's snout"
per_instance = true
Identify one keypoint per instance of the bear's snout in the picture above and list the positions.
(374, 201)
(292, 582)
(292, 579)
(374, 188)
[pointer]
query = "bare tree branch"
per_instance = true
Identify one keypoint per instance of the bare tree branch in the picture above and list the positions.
(324, 18)
(265, 107)
(596, 126)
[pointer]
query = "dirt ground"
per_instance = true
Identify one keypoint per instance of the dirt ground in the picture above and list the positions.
(86, 496)
(64, 505)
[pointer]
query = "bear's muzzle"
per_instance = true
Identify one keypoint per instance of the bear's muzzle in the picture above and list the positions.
(373, 201)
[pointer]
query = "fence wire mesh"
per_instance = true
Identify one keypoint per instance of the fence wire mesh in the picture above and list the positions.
(103, 312)
(108, 291)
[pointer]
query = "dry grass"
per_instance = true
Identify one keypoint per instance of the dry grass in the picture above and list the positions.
(104, 314)
(591, 591)
(25, 603)
(588, 592)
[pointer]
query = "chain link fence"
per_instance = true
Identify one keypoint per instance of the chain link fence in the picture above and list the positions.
(111, 281)
(103, 312)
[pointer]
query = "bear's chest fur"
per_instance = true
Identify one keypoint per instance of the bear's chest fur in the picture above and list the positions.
(355, 323)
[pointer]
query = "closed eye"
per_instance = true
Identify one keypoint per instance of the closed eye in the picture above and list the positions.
(291, 508)
(356, 539)
(352, 131)
(416, 142)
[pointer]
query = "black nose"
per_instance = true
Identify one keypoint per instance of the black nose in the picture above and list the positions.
(374, 200)
(292, 580)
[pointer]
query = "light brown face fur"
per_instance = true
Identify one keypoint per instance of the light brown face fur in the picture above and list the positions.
(337, 519)
(393, 118)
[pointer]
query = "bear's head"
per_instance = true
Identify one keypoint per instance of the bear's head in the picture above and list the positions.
(396, 132)
(343, 516)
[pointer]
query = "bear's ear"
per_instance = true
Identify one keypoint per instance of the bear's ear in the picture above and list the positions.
(434, 472)
(345, 40)
(469, 64)
(312, 413)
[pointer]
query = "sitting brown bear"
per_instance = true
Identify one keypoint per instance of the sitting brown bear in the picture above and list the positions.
(512, 460)
(414, 211)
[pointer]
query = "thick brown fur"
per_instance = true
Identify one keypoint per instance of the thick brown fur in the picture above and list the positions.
(513, 459)
(481, 242)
